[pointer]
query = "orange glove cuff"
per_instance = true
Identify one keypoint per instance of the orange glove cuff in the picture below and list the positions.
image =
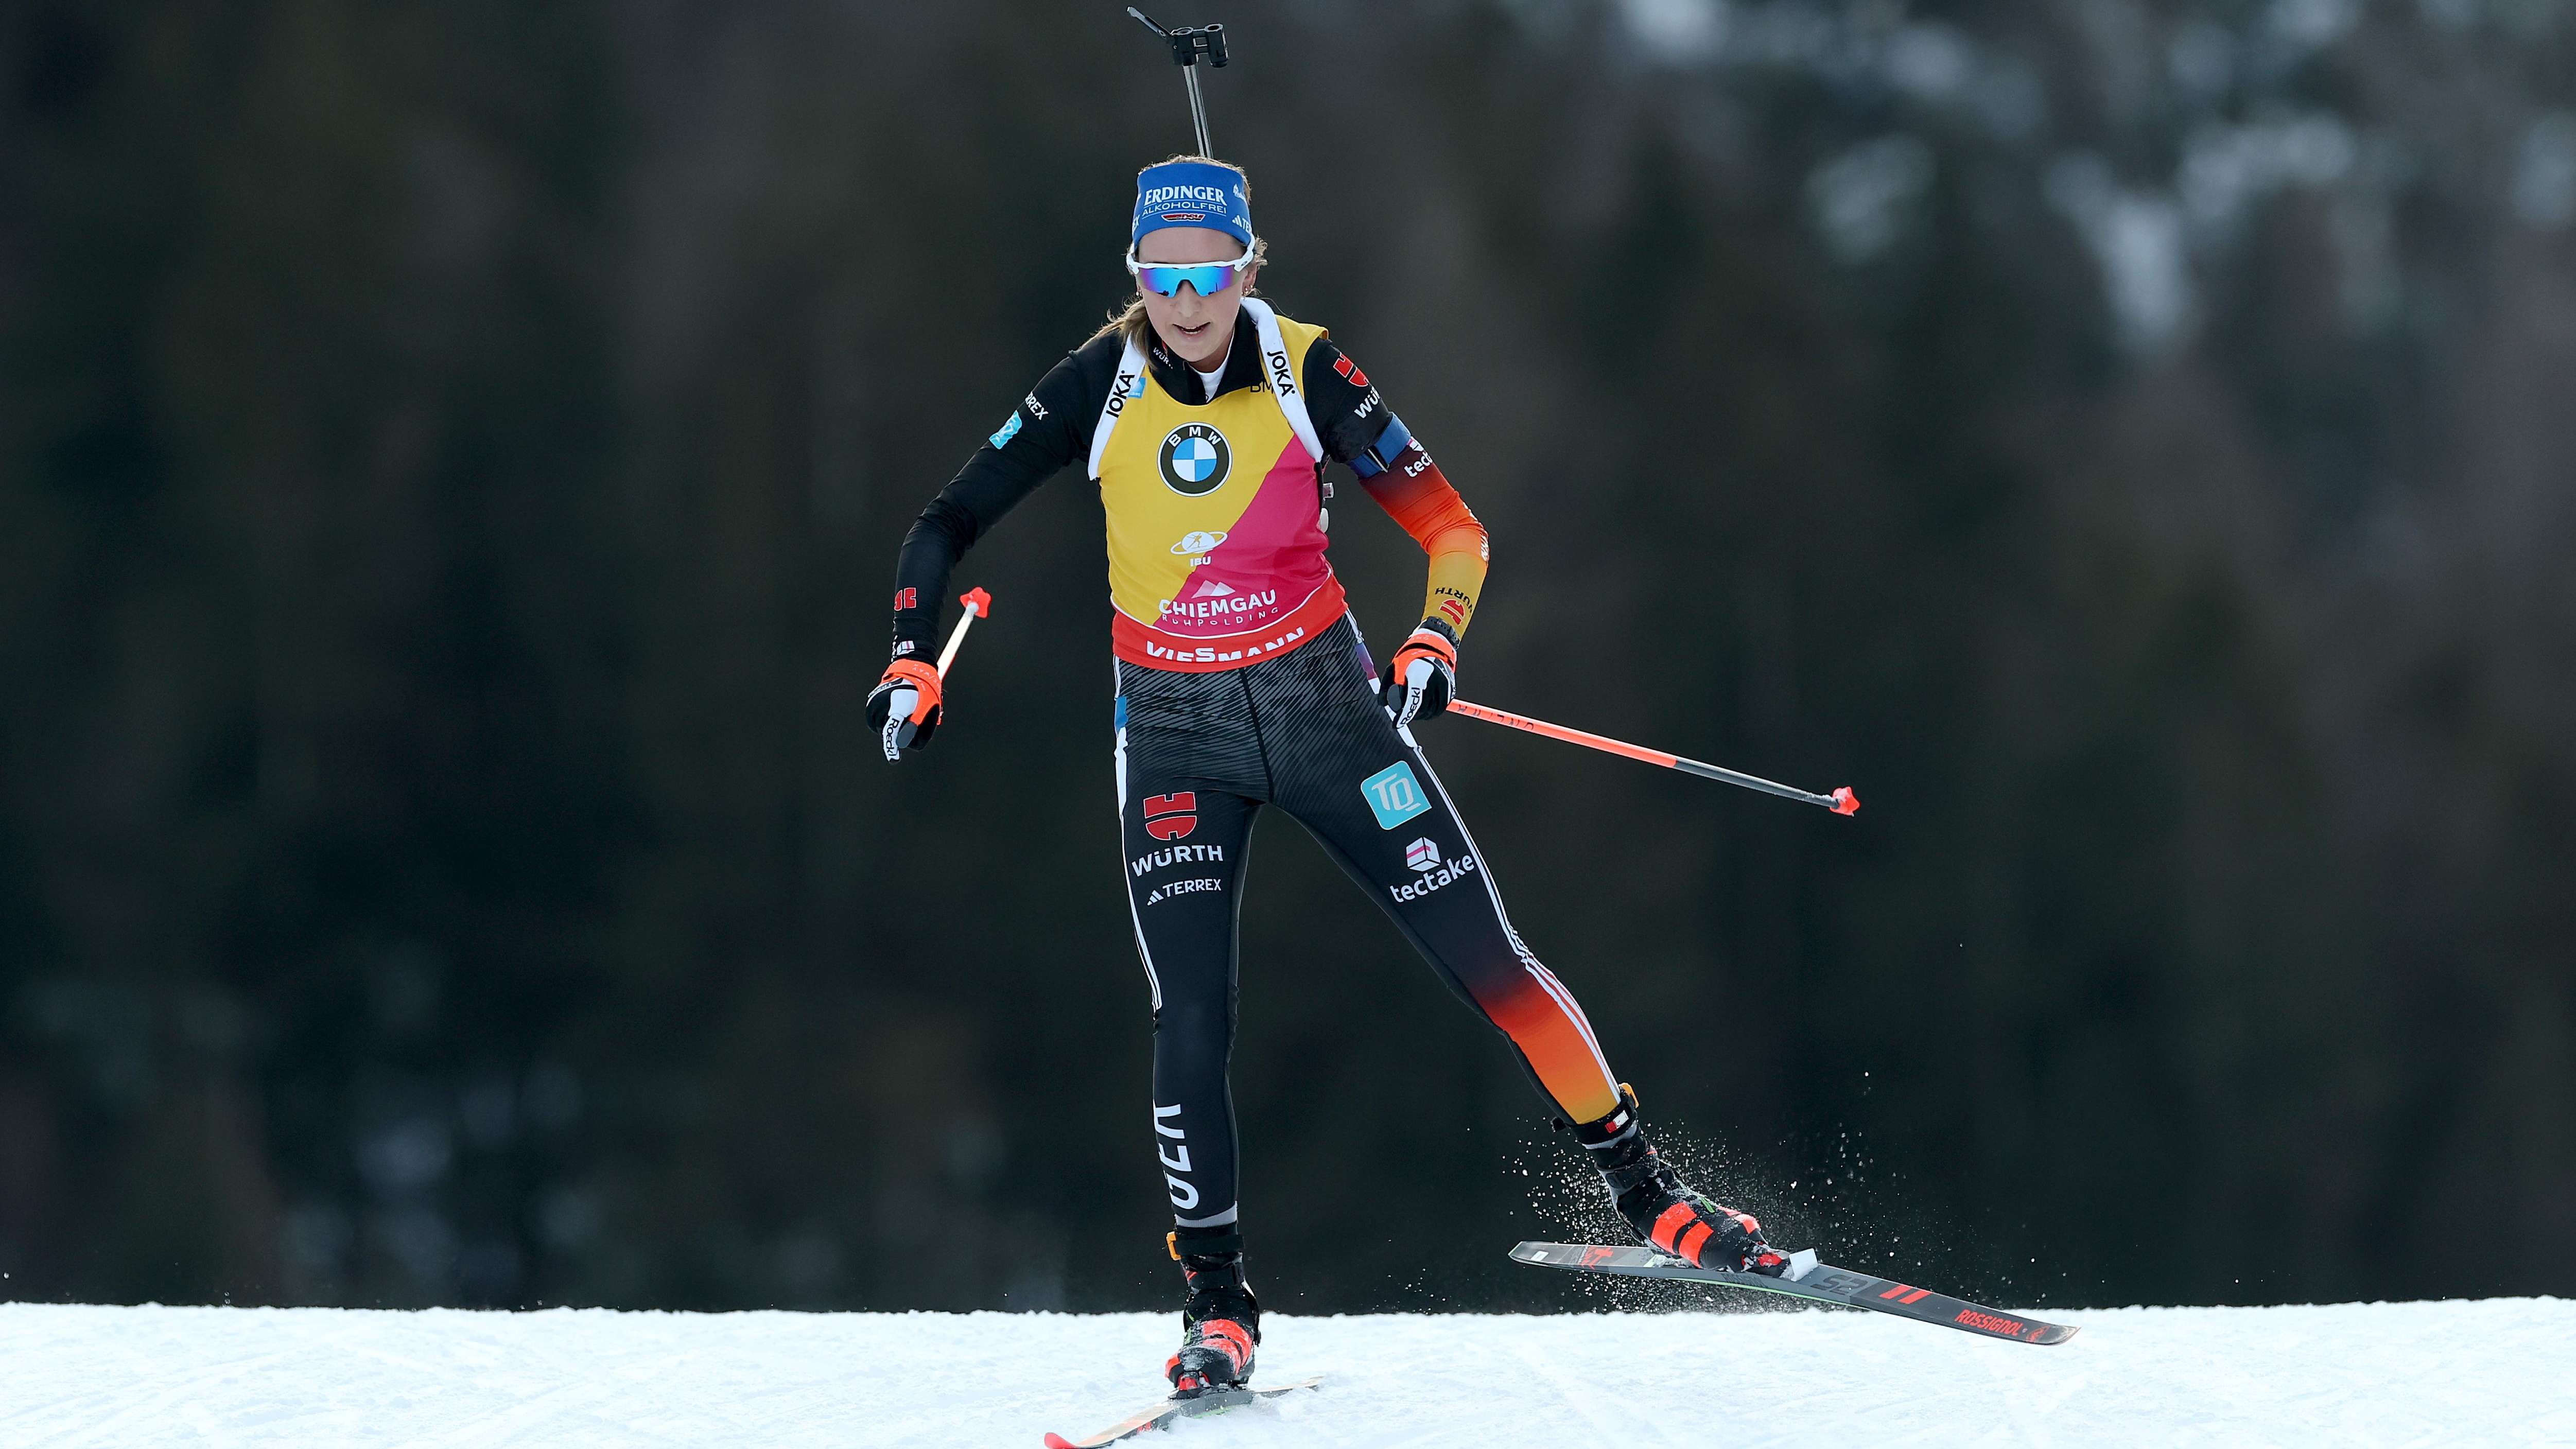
(1428, 642)
(923, 679)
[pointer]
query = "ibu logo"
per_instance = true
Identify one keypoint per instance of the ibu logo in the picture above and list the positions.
(1394, 795)
(1195, 460)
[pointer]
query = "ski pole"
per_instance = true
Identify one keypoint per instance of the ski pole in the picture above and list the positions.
(1190, 45)
(979, 605)
(1841, 802)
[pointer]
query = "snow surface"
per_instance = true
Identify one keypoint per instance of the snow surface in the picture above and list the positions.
(2494, 1372)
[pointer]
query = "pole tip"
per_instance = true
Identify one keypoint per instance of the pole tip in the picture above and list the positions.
(1845, 802)
(977, 602)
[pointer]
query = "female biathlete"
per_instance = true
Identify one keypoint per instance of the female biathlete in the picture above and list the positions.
(1207, 418)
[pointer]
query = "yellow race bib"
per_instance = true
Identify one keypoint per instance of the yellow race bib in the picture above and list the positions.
(1215, 512)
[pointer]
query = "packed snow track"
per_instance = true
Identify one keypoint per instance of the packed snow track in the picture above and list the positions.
(2491, 1372)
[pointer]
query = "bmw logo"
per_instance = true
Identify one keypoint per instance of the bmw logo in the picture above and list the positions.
(1195, 460)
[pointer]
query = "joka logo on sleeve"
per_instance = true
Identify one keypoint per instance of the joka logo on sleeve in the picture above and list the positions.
(1195, 460)
(1394, 795)
(1169, 817)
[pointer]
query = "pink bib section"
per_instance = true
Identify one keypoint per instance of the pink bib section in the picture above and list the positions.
(1268, 564)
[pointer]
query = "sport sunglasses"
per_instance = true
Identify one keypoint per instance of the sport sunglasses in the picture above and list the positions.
(1205, 278)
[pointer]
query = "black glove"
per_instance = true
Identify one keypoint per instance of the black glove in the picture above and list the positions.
(1423, 676)
(904, 707)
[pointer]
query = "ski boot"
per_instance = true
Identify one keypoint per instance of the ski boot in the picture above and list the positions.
(1222, 1320)
(1663, 1209)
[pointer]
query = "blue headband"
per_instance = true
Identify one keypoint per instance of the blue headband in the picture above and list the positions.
(1192, 193)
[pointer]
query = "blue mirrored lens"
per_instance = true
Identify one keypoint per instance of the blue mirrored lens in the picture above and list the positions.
(1204, 280)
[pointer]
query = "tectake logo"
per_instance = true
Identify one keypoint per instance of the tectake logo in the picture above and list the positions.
(1198, 541)
(1422, 855)
(1436, 875)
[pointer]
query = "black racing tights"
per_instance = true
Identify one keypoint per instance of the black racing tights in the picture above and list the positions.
(1198, 756)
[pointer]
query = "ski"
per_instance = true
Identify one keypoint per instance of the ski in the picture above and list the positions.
(1162, 1415)
(1808, 1279)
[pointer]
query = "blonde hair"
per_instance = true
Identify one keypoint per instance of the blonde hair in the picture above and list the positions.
(1128, 318)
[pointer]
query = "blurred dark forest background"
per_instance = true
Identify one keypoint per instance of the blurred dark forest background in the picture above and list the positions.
(451, 462)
